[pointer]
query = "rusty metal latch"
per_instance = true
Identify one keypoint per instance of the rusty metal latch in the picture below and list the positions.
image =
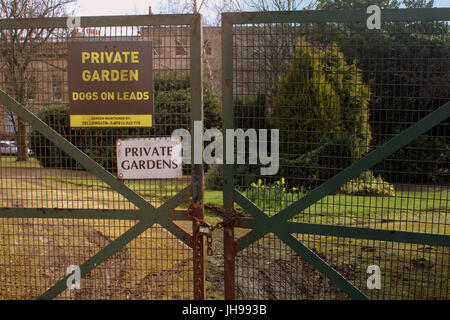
(206, 229)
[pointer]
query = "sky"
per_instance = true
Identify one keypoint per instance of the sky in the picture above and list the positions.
(114, 7)
(130, 7)
(133, 7)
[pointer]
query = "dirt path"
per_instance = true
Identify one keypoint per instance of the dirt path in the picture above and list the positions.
(264, 272)
(34, 254)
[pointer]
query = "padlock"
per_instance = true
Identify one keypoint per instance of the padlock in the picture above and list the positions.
(205, 231)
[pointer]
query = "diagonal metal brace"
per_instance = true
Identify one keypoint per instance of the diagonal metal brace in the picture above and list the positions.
(277, 224)
(122, 241)
(381, 153)
(147, 221)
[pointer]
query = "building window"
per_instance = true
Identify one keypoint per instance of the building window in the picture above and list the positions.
(9, 123)
(181, 47)
(10, 86)
(57, 87)
(207, 46)
(157, 46)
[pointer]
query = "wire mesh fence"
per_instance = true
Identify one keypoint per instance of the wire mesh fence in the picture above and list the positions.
(38, 252)
(337, 91)
(35, 173)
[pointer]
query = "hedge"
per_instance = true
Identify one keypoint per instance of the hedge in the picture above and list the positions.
(171, 112)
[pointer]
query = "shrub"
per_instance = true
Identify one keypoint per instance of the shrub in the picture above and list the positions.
(319, 96)
(172, 108)
(167, 81)
(244, 175)
(367, 184)
(425, 160)
(171, 112)
(214, 177)
(324, 162)
(250, 112)
(318, 165)
(100, 144)
(403, 93)
(49, 156)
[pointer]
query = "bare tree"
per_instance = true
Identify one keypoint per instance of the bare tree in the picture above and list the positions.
(270, 47)
(18, 51)
(210, 9)
(272, 5)
(182, 6)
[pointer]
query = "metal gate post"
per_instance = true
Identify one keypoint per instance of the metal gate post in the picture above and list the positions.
(196, 150)
(228, 123)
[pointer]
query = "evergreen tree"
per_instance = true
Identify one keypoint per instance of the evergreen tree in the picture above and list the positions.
(320, 97)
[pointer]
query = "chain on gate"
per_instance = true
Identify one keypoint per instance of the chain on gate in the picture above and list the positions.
(206, 229)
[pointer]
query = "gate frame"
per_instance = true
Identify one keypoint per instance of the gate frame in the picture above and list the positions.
(147, 215)
(260, 223)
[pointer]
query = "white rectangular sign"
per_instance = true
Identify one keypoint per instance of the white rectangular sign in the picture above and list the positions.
(149, 158)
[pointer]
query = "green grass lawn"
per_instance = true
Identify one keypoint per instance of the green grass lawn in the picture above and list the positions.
(213, 197)
(359, 205)
(409, 270)
(409, 211)
(420, 207)
(11, 162)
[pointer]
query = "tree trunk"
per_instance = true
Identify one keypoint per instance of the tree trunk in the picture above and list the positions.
(22, 149)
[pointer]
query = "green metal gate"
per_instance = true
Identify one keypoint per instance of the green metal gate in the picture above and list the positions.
(365, 191)
(130, 240)
(362, 191)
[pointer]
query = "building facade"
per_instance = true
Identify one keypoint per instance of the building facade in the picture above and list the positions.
(45, 81)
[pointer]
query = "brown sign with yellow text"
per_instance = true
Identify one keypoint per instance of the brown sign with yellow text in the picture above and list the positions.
(110, 84)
